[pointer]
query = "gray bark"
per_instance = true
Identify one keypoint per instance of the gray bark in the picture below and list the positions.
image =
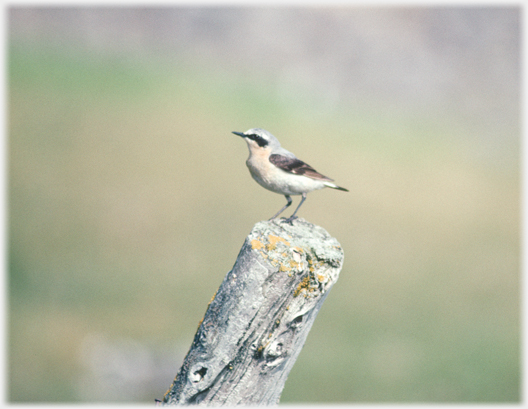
(257, 322)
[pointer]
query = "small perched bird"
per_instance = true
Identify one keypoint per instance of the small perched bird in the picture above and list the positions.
(279, 170)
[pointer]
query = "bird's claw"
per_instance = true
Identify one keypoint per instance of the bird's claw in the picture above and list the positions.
(289, 220)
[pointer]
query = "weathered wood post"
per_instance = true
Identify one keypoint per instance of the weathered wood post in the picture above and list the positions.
(257, 323)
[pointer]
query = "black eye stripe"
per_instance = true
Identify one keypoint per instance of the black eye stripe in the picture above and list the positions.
(258, 139)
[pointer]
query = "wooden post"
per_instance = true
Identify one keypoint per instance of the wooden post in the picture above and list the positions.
(258, 320)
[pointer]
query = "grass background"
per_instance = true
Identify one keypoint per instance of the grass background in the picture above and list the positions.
(129, 199)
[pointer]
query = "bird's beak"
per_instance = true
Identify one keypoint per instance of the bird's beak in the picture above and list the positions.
(239, 134)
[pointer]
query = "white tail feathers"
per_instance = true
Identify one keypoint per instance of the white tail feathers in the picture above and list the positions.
(336, 187)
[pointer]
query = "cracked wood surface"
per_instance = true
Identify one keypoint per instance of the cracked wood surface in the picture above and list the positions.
(257, 322)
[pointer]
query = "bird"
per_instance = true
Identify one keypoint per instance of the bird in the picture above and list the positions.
(280, 171)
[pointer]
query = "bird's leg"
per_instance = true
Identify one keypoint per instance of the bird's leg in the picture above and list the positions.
(289, 199)
(293, 217)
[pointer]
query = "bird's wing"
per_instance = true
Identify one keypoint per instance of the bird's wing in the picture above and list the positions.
(296, 166)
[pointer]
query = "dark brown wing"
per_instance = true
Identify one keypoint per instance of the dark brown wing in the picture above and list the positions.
(296, 166)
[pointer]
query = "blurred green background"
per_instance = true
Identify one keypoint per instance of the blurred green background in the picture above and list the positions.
(129, 198)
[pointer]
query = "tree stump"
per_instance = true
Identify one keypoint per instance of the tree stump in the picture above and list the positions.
(256, 324)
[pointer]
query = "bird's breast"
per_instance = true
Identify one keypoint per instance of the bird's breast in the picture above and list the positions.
(262, 170)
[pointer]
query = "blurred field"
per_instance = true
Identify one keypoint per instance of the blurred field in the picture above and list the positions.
(129, 200)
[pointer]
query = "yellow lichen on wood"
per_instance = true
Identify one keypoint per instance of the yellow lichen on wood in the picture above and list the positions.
(199, 323)
(169, 390)
(212, 298)
(273, 240)
(302, 285)
(294, 264)
(256, 244)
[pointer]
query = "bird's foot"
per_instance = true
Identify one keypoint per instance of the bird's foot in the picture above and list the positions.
(289, 220)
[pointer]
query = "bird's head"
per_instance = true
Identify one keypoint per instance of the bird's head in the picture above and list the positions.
(259, 139)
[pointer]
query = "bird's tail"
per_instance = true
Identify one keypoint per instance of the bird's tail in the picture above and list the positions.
(336, 187)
